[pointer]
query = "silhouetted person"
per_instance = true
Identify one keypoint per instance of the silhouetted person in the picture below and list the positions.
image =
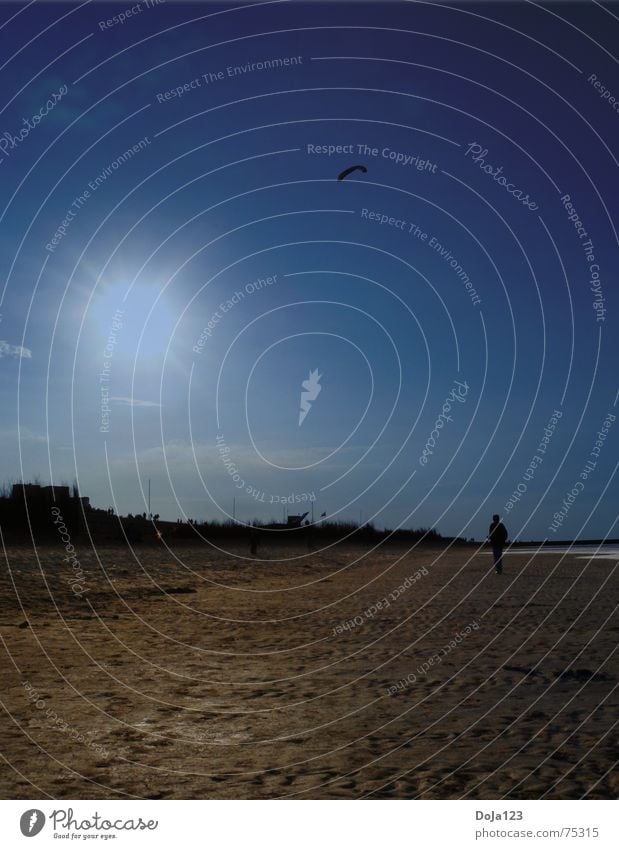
(497, 537)
(253, 542)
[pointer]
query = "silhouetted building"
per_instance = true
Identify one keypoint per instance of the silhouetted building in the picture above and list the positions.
(35, 494)
(295, 521)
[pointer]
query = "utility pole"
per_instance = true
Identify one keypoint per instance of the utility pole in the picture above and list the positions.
(149, 513)
(234, 509)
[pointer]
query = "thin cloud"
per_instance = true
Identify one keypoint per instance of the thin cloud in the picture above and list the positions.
(8, 350)
(24, 434)
(133, 402)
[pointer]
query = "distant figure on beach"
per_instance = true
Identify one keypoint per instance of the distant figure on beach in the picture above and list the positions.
(253, 541)
(497, 537)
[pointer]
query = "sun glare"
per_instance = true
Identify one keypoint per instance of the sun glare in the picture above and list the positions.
(137, 321)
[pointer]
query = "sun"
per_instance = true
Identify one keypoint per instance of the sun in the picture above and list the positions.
(132, 320)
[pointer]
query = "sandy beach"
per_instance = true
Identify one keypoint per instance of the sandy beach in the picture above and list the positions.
(338, 674)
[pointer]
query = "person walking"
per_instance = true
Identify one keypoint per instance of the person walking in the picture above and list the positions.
(497, 537)
(254, 542)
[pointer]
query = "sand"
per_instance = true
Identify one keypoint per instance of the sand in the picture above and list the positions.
(196, 674)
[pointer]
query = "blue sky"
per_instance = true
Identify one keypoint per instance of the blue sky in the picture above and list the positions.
(189, 198)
